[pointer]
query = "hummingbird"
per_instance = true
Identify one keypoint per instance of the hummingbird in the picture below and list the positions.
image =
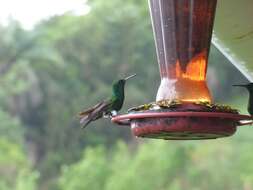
(107, 107)
(249, 87)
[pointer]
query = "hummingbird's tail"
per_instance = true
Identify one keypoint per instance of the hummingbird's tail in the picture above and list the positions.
(93, 113)
(84, 121)
(84, 117)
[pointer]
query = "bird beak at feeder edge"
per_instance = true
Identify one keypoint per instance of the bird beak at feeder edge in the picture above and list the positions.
(131, 76)
(241, 85)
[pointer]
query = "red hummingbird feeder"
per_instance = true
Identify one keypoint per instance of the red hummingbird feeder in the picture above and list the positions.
(183, 109)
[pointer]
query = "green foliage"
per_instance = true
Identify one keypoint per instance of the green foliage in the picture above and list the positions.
(87, 54)
(161, 165)
(10, 128)
(91, 171)
(150, 168)
(27, 180)
(14, 168)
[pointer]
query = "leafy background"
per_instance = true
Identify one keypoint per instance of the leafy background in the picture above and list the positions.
(67, 63)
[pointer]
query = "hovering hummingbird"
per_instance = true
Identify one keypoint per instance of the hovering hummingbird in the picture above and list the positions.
(249, 87)
(106, 107)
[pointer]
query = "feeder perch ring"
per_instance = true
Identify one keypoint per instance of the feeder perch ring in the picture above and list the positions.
(185, 125)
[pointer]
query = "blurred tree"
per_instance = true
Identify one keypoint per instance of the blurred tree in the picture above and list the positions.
(91, 171)
(15, 169)
(159, 165)
(88, 53)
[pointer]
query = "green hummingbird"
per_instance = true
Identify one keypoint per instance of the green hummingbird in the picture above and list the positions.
(249, 87)
(107, 107)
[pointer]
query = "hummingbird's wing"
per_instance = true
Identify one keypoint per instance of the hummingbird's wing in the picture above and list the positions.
(94, 113)
(88, 111)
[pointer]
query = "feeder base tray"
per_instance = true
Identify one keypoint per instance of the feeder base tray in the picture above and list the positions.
(183, 136)
(180, 124)
(183, 128)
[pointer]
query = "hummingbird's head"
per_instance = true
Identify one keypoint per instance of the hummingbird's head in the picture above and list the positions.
(120, 84)
(249, 86)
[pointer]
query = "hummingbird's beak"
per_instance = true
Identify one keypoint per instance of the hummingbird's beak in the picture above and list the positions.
(131, 76)
(241, 85)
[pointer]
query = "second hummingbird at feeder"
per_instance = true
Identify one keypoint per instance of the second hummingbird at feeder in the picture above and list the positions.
(106, 107)
(249, 87)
